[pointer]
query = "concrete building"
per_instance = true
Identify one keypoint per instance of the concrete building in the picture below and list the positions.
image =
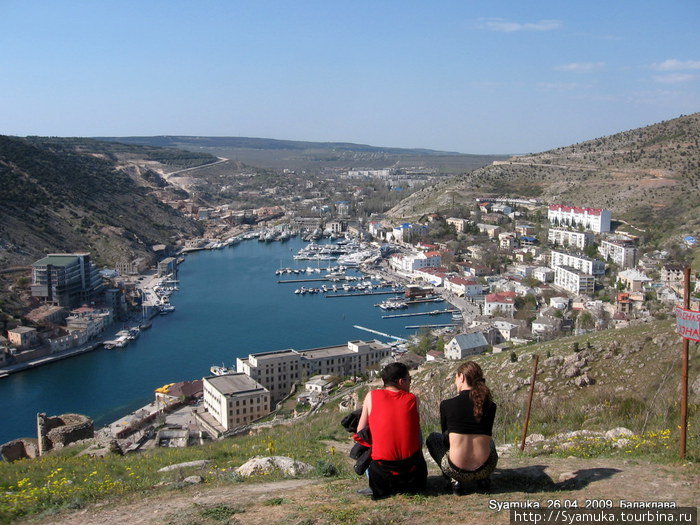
(167, 266)
(459, 224)
(633, 280)
(412, 262)
(47, 314)
(573, 280)
(620, 251)
(543, 274)
(463, 287)
(65, 279)
(594, 219)
(579, 262)
(502, 303)
(23, 337)
(132, 267)
(489, 229)
(235, 400)
(564, 237)
(672, 274)
(279, 371)
(465, 345)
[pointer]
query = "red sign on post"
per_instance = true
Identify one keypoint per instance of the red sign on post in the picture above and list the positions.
(688, 323)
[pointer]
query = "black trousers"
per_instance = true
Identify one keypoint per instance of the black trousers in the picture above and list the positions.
(392, 477)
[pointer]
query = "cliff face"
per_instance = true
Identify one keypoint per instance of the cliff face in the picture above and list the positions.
(81, 195)
(649, 176)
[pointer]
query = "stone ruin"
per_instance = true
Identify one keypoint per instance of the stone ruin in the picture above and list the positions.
(53, 433)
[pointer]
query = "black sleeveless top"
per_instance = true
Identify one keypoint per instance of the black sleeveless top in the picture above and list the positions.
(457, 415)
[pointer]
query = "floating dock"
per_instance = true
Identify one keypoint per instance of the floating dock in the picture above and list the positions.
(317, 279)
(430, 300)
(434, 312)
(379, 333)
(416, 326)
(356, 294)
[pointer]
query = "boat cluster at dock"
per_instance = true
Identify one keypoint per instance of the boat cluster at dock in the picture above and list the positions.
(123, 337)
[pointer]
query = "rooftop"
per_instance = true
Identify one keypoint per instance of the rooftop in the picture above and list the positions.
(57, 259)
(237, 383)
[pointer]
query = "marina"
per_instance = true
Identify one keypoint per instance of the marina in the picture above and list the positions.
(228, 305)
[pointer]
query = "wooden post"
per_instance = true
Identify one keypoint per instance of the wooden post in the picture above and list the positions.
(529, 402)
(684, 367)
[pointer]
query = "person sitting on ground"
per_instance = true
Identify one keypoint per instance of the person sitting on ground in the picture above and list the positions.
(465, 451)
(391, 413)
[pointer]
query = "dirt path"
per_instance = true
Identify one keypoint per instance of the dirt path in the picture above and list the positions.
(308, 501)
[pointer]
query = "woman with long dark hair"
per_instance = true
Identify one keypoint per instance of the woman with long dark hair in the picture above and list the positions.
(465, 451)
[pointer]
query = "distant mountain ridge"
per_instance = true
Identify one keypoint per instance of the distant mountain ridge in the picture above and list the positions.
(316, 156)
(175, 141)
(648, 176)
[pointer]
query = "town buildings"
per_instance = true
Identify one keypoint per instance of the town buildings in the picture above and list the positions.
(235, 400)
(412, 262)
(464, 345)
(280, 370)
(594, 219)
(564, 237)
(463, 287)
(578, 262)
(573, 280)
(621, 251)
(65, 279)
(502, 303)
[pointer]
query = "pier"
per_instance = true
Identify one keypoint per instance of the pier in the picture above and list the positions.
(434, 312)
(430, 300)
(417, 326)
(356, 294)
(378, 333)
(312, 280)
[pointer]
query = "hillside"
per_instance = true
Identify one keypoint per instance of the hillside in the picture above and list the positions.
(316, 156)
(626, 378)
(648, 176)
(83, 195)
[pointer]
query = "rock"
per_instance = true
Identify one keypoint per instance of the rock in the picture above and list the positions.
(622, 443)
(695, 387)
(618, 432)
(584, 380)
(572, 371)
(265, 465)
(554, 361)
(534, 438)
(187, 464)
(193, 479)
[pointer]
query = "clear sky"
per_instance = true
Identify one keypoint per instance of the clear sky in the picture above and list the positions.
(490, 76)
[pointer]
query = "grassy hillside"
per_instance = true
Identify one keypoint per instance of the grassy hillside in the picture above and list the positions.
(636, 378)
(649, 177)
(82, 195)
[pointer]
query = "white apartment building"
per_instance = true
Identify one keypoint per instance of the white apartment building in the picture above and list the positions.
(594, 219)
(463, 287)
(573, 280)
(459, 224)
(412, 262)
(503, 302)
(279, 371)
(620, 251)
(563, 237)
(578, 262)
(235, 400)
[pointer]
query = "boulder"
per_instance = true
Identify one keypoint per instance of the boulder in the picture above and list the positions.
(584, 380)
(572, 371)
(193, 479)
(265, 465)
(553, 361)
(198, 463)
(618, 432)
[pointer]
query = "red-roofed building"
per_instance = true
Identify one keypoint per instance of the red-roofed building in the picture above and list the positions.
(502, 301)
(435, 276)
(463, 287)
(594, 219)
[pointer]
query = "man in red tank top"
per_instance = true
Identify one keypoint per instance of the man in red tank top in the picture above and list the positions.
(391, 413)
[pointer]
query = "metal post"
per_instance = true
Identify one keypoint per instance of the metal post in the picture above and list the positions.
(529, 402)
(684, 367)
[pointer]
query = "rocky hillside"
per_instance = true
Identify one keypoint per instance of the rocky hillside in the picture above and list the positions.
(648, 176)
(84, 195)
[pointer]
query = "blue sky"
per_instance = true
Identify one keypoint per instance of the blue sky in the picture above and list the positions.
(468, 76)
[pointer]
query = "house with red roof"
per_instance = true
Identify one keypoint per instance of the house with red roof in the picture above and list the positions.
(503, 302)
(463, 287)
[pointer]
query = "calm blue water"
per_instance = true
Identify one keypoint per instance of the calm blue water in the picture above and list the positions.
(229, 305)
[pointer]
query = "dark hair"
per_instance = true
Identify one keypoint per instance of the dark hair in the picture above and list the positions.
(392, 372)
(479, 392)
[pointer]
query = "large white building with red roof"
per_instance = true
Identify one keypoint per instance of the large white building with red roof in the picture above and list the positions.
(503, 302)
(463, 287)
(594, 219)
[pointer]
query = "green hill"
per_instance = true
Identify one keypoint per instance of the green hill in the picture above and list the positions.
(84, 195)
(649, 177)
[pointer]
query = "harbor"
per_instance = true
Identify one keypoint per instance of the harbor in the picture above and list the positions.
(228, 305)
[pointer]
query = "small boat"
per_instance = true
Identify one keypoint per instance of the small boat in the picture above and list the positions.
(221, 370)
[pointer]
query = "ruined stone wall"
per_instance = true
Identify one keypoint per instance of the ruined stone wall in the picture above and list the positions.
(68, 428)
(19, 449)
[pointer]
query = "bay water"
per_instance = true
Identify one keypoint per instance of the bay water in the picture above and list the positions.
(229, 305)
